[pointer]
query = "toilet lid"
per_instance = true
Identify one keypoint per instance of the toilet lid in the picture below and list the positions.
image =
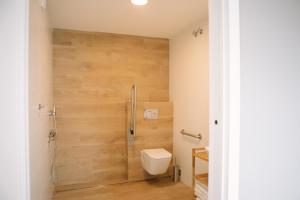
(157, 153)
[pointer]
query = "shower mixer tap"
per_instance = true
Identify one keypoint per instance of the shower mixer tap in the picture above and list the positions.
(52, 113)
(52, 133)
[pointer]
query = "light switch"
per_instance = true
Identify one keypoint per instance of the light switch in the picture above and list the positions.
(151, 114)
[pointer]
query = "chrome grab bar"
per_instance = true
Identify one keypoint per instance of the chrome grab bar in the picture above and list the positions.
(198, 136)
(133, 111)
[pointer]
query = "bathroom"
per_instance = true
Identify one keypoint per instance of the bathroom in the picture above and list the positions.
(149, 99)
(126, 88)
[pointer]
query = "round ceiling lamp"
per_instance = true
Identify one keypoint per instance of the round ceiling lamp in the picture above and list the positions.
(139, 2)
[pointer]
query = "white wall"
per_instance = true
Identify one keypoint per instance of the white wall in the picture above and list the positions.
(40, 92)
(189, 91)
(270, 100)
(13, 171)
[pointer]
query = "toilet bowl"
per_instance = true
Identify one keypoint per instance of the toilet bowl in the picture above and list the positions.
(155, 161)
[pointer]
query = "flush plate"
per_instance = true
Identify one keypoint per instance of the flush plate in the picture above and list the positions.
(151, 114)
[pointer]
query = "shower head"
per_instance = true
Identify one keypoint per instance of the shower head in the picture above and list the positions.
(197, 32)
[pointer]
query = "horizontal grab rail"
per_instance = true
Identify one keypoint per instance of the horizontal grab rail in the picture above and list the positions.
(198, 136)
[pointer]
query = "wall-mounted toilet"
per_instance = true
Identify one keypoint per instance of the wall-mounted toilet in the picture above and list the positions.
(155, 161)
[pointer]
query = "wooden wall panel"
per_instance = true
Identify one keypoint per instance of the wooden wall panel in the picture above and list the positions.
(150, 134)
(93, 75)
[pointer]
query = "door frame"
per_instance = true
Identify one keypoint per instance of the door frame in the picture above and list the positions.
(23, 92)
(224, 44)
(224, 99)
(17, 129)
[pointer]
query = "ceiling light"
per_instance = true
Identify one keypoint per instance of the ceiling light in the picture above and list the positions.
(139, 2)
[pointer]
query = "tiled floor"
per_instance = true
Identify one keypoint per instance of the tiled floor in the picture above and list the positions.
(152, 190)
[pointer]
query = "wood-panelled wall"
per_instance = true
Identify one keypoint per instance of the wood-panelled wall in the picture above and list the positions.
(93, 74)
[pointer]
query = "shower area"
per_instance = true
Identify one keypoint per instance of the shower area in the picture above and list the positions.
(100, 130)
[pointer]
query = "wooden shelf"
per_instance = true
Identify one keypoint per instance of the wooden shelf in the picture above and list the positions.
(202, 178)
(202, 154)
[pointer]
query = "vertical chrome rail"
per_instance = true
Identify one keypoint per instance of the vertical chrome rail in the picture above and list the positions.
(133, 111)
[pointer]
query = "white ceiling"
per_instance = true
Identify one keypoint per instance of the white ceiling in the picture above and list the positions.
(160, 18)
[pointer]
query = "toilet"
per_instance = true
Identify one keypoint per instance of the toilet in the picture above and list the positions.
(155, 161)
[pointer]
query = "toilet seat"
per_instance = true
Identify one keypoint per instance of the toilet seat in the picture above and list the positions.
(157, 153)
